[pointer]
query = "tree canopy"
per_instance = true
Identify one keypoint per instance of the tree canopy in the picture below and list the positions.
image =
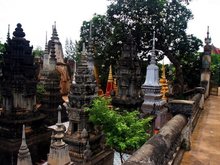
(124, 132)
(140, 18)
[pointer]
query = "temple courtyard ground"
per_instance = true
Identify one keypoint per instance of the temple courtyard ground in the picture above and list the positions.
(205, 140)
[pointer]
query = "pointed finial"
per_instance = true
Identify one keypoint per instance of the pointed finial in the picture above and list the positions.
(153, 61)
(110, 77)
(24, 156)
(59, 114)
(208, 38)
(8, 35)
(23, 136)
(54, 32)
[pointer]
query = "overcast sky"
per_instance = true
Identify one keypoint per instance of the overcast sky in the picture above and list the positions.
(38, 16)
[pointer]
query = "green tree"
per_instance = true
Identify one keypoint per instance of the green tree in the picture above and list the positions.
(72, 50)
(38, 52)
(2, 49)
(124, 132)
(40, 91)
(215, 69)
(140, 18)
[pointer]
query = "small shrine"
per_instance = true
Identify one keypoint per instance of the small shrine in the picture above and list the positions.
(86, 143)
(153, 103)
(19, 80)
(128, 78)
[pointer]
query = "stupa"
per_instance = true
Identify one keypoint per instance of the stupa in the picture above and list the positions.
(19, 79)
(153, 103)
(86, 144)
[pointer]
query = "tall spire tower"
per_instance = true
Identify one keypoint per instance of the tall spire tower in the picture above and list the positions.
(24, 157)
(8, 34)
(46, 55)
(85, 143)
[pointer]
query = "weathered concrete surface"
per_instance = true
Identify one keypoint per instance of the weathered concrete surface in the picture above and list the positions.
(160, 148)
(205, 149)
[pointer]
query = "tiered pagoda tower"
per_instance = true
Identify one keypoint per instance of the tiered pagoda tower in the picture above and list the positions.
(128, 78)
(85, 143)
(19, 79)
(52, 98)
(153, 103)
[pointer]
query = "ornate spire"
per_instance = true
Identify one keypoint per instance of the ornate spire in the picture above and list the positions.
(46, 55)
(153, 61)
(46, 46)
(24, 157)
(18, 33)
(8, 35)
(208, 39)
(54, 34)
(90, 50)
(109, 86)
(152, 74)
(52, 60)
(163, 83)
(153, 104)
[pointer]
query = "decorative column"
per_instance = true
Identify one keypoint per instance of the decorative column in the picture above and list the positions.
(153, 103)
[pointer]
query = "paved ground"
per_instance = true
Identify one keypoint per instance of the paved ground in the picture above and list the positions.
(205, 148)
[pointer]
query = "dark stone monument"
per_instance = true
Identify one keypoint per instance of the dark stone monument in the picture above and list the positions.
(19, 79)
(128, 78)
(86, 143)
